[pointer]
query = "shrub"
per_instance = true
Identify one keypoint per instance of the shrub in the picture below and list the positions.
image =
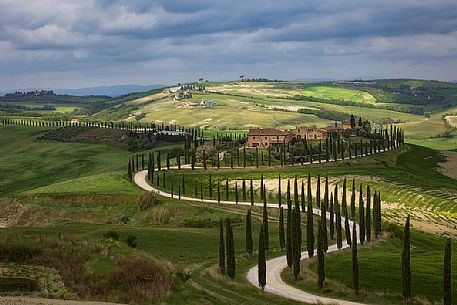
(131, 241)
(146, 200)
(142, 281)
(113, 235)
(124, 220)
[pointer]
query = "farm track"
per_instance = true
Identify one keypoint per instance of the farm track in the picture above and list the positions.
(275, 284)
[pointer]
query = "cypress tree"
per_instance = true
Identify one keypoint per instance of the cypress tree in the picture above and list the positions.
(339, 233)
(282, 238)
(256, 157)
(303, 204)
(345, 214)
(262, 267)
(231, 268)
(361, 215)
(378, 209)
(243, 189)
(279, 190)
(210, 187)
(375, 213)
(353, 200)
(236, 192)
(318, 192)
(368, 215)
(355, 263)
(265, 224)
(183, 185)
(324, 216)
(221, 247)
(296, 245)
(262, 195)
(332, 218)
(447, 291)
(218, 191)
(309, 222)
(244, 156)
(168, 161)
(296, 193)
(320, 257)
(406, 263)
(227, 189)
(289, 253)
(249, 243)
(251, 194)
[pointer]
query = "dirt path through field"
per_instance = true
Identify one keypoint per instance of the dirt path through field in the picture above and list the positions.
(449, 168)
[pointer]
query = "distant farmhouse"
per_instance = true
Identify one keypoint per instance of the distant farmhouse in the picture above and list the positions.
(184, 91)
(265, 137)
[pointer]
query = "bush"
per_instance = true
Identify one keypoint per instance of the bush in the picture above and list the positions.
(131, 241)
(113, 235)
(146, 200)
(142, 281)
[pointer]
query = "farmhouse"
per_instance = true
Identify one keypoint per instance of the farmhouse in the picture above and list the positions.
(304, 132)
(265, 137)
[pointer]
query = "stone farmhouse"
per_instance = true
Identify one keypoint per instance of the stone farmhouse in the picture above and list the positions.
(264, 137)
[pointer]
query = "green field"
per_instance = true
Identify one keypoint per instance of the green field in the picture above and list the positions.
(73, 194)
(338, 94)
(380, 270)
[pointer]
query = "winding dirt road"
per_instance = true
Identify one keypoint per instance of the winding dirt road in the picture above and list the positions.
(275, 266)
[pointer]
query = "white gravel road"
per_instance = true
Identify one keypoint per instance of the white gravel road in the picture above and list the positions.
(275, 266)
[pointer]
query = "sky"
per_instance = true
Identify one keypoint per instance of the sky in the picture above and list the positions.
(80, 43)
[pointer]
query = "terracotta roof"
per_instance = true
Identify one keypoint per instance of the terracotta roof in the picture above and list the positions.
(267, 132)
(331, 128)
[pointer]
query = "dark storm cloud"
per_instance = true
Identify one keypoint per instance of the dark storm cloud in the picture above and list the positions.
(101, 41)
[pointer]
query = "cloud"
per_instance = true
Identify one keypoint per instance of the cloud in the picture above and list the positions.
(106, 41)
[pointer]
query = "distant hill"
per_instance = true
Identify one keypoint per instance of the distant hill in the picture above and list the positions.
(113, 91)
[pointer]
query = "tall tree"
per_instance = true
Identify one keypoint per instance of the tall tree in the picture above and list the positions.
(447, 292)
(289, 254)
(320, 256)
(282, 237)
(249, 242)
(332, 217)
(339, 233)
(262, 268)
(318, 192)
(231, 268)
(406, 263)
(361, 215)
(243, 190)
(309, 222)
(210, 187)
(355, 263)
(368, 215)
(296, 244)
(324, 216)
(353, 200)
(303, 204)
(344, 206)
(221, 247)
(265, 224)
(251, 193)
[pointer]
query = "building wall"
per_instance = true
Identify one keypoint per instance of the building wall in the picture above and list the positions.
(265, 140)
